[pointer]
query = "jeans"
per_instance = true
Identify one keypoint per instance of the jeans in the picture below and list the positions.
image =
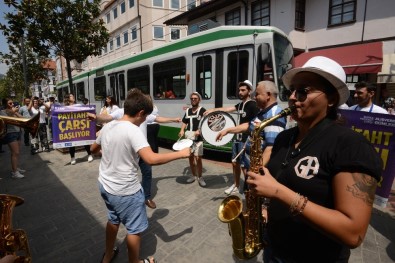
(146, 172)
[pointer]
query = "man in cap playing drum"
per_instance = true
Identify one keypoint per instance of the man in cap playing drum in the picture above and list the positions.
(246, 110)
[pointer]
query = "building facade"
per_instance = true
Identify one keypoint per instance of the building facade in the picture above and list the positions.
(137, 25)
(45, 87)
(356, 33)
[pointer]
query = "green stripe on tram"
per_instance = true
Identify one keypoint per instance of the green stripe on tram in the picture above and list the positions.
(179, 45)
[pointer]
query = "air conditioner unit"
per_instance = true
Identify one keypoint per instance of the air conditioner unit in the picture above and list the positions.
(202, 26)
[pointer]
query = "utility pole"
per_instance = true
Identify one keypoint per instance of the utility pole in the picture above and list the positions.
(24, 67)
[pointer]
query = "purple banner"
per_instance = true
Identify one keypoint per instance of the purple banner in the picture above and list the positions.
(379, 130)
(71, 127)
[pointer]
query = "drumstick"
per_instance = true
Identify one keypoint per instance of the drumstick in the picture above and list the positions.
(242, 150)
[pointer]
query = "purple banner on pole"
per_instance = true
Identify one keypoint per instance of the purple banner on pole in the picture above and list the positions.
(379, 130)
(71, 127)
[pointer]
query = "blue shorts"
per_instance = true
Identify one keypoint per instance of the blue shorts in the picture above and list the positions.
(237, 146)
(129, 210)
(11, 137)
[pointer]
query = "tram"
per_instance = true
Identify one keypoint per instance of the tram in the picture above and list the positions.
(211, 62)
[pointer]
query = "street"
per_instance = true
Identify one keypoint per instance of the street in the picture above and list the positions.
(64, 215)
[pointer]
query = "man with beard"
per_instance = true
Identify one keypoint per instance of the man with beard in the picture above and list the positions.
(246, 110)
(190, 128)
(364, 93)
(266, 99)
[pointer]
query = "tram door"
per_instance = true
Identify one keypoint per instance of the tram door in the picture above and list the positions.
(117, 87)
(203, 76)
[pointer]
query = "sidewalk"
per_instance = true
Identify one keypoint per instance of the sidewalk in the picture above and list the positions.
(64, 215)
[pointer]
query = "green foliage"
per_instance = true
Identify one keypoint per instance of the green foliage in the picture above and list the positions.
(65, 28)
(12, 84)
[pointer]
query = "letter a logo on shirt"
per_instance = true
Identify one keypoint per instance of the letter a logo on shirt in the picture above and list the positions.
(307, 167)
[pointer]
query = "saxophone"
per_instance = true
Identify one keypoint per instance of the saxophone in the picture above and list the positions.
(246, 228)
(12, 242)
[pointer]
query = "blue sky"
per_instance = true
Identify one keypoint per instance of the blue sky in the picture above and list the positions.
(3, 43)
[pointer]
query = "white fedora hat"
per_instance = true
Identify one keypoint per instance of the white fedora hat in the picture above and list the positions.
(246, 83)
(326, 68)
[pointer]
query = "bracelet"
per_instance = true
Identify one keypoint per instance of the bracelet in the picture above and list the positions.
(294, 204)
(300, 211)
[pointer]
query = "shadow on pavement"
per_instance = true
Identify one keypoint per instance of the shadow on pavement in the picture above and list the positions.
(59, 226)
(383, 223)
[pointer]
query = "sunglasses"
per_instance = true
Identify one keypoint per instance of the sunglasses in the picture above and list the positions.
(194, 98)
(300, 94)
(10, 103)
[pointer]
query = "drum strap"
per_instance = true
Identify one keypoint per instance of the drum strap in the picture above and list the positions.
(191, 117)
(239, 113)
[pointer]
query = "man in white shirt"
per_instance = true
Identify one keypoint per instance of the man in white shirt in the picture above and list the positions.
(364, 94)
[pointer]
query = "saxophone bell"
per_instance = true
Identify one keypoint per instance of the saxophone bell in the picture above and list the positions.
(246, 228)
(12, 241)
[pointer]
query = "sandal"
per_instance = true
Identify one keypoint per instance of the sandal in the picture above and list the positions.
(149, 260)
(115, 253)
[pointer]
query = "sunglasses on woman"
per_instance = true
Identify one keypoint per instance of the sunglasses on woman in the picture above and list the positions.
(300, 94)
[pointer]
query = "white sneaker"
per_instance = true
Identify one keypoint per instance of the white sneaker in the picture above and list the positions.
(232, 190)
(20, 170)
(17, 175)
(191, 179)
(73, 161)
(201, 181)
(90, 158)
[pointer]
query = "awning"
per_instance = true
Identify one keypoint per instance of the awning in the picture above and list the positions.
(355, 59)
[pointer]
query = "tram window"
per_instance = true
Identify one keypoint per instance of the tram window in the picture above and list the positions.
(237, 71)
(100, 88)
(283, 55)
(80, 88)
(169, 79)
(139, 78)
(204, 76)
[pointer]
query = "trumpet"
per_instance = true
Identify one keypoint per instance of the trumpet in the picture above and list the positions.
(30, 124)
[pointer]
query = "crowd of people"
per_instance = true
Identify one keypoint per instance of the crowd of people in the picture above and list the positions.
(319, 178)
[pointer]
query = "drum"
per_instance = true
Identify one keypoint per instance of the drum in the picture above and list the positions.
(213, 123)
(182, 144)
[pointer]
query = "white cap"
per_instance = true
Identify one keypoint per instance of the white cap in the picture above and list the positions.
(326, 68)
(246, 83)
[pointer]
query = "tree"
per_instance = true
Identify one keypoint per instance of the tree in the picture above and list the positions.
(33, 62)
(64, 28)
(20, 54)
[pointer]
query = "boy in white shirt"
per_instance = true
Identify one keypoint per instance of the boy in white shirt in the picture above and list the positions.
(118, 178)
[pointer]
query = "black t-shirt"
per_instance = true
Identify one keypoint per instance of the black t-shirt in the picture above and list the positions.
(327, 150)
(246, 111)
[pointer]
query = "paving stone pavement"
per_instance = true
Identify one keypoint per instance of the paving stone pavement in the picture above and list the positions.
(64, 215)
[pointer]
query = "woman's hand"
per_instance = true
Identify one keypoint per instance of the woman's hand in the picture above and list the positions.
(264, 185)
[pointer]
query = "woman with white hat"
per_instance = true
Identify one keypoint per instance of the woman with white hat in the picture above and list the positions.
(321, 177)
